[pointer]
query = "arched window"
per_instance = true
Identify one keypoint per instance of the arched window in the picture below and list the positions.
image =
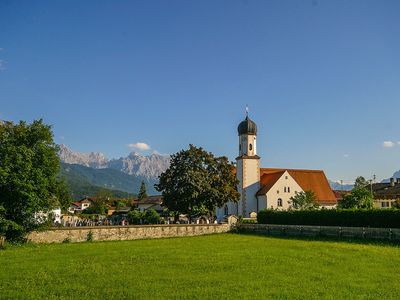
(226, 210)
(279, 203)
(288, 189)
(250, 147)
(284, 189)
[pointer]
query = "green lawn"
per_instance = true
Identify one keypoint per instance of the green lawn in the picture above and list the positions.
(214, 266)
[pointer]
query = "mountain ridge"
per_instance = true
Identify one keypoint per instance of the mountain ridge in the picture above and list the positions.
(86, 181)
(148, 167)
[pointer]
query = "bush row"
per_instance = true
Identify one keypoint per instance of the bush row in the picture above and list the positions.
(150, 216)
(380, 218)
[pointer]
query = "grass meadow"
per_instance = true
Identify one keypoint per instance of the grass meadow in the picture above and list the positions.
(214, 267)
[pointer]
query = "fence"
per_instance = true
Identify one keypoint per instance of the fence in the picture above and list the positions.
(324, 231)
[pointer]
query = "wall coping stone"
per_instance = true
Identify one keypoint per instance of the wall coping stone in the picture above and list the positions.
(130, 226)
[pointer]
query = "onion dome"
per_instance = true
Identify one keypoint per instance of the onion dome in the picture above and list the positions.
(247, 127)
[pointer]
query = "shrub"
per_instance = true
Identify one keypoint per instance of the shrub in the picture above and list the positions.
(135, 217)
(381, 218)
(89, 237)
(151, 217)
(249, 221)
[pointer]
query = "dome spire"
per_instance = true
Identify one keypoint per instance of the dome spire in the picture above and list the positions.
(247, 126)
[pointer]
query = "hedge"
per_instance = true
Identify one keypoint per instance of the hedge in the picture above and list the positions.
(380, 218)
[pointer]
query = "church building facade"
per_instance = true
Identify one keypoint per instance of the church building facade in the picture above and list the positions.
(262, 188)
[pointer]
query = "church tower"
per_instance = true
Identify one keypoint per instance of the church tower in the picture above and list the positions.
(247, 168)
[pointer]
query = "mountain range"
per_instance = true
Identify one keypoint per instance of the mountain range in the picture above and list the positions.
(337, 186)
(86, 173)
(149, 167)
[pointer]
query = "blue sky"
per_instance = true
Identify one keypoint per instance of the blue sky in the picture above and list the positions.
(321, 78)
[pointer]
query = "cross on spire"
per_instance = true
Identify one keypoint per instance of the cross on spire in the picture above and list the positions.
(247, 110)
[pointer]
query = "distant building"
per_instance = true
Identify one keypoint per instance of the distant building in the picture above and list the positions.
(385, 194)
(81, 205)
(151, 202)
(262, 188)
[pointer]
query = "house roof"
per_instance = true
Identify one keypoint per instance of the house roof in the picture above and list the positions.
(151, 200)
(339, 194)
(85, 201)
(386, 191)
(308, 180)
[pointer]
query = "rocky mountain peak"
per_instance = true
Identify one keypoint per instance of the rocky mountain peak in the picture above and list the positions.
(135, 163)
(93, 159)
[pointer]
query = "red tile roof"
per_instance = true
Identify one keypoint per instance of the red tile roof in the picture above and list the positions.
(268, 180)
(309, 180)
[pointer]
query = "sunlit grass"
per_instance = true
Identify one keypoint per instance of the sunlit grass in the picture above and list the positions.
(214, 266)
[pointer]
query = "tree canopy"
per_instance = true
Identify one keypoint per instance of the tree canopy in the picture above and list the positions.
(28, 175)
(142, 192)
(360, 182)
(197, 180)
(304, 200)
(358, 198)
(100, 202)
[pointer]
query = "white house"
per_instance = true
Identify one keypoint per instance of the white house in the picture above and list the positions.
(262, 188)
(151, 202)
(80, 205)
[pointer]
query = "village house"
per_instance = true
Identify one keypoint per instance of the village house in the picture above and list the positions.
(385, 194)
(262, 188)
(151, 202)
(81, 205)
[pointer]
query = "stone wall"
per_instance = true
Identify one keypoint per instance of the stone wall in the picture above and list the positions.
(119, 233)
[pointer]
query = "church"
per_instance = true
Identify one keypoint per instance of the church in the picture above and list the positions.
(262, 188)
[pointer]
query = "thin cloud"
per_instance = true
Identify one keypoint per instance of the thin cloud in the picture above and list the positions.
(2, 65)
(140, 146)
(388, 144)
(346, 155)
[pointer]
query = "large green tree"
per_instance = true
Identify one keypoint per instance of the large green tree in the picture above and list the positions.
(358, 198)
(28, 176)
(195, 180)
(304, 200)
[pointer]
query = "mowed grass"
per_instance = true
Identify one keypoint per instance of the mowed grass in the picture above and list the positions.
(214, 267)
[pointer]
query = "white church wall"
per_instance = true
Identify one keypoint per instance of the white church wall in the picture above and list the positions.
(239, 176)
(285, 188)
(250, 182)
